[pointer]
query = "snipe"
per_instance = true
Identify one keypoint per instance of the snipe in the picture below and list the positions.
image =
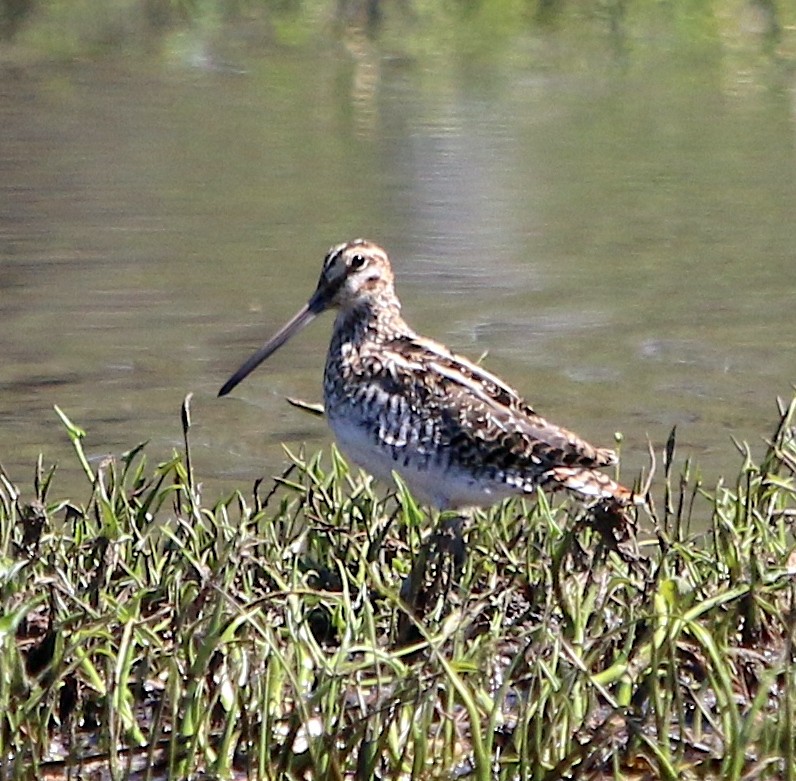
(396, 401)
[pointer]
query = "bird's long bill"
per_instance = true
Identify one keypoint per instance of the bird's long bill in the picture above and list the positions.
(302, 318)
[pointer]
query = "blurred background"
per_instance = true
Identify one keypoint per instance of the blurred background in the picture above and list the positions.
(600, 194)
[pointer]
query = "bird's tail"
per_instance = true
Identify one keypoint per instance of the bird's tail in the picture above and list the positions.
(591, 483)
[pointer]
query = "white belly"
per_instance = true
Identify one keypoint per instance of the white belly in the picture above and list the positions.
(444, 488)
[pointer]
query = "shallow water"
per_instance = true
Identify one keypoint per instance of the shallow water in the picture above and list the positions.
(609, 215)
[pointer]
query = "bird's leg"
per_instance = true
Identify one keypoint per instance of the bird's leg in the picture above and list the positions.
(616, 528)
(437, 566)
(449, 539)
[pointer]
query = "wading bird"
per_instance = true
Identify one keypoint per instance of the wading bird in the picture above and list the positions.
(398, 402)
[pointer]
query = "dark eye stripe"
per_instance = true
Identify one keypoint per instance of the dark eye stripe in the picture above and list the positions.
(332, 256)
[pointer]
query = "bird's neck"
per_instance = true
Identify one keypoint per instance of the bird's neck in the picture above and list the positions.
(370, 320)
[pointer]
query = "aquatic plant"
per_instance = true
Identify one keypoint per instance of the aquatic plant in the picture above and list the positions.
(320, 629)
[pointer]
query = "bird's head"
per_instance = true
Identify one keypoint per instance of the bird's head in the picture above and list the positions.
(354, 274)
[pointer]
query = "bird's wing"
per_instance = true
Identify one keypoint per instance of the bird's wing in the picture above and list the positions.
(485, 407)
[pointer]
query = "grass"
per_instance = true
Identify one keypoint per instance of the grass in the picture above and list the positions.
(317, 629)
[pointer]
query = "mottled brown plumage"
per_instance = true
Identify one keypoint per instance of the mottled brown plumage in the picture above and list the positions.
(458, 435)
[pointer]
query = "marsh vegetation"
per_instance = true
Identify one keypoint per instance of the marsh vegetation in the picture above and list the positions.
(146, 634)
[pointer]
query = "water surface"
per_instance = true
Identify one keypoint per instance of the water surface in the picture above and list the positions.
(608, 213)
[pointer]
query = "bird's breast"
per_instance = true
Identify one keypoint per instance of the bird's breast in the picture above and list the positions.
(386, 432)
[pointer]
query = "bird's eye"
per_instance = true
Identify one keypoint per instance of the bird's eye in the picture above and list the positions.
(357, 262)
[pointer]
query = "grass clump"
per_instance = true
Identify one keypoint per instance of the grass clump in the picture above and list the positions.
(320, 630)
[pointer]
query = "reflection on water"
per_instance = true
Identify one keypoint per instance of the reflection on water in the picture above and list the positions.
(615, 229)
